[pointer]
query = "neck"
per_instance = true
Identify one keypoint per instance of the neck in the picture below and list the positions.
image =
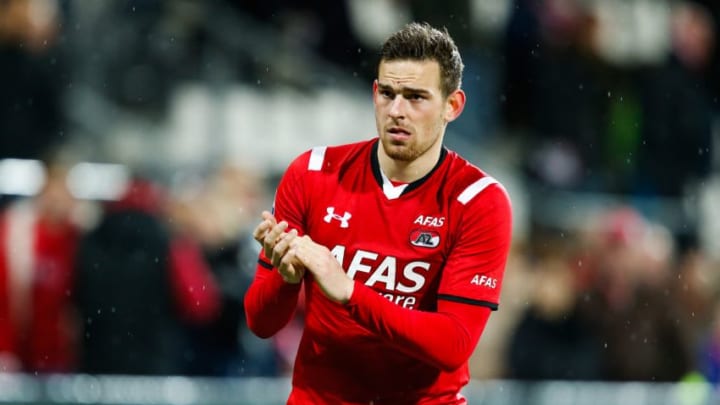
(409, 171)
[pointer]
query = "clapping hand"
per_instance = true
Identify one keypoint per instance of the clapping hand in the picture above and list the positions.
(275, 243)
(325, 268)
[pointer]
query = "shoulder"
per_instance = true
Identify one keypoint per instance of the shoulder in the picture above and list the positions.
(324, 159)
(469, 185)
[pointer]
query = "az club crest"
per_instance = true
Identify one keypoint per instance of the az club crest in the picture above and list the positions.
(422, 238)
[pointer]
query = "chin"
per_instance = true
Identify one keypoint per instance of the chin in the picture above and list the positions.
(401, 153)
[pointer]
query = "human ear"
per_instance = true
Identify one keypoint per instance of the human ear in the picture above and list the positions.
(454, 105)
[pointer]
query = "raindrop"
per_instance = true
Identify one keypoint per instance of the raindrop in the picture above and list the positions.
(605, 345)
(579, 263)
(581, 87)
(259, 82)
(133, 9)
(609, 94)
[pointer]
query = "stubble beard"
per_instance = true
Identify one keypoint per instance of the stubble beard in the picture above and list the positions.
(407, 151)
(401, 151)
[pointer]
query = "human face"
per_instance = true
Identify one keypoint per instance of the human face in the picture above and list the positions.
(411, 112)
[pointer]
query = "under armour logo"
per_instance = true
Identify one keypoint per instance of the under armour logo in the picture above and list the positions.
(332, 215)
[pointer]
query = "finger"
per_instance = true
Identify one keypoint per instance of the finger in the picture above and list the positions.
(287, 261)
(290, 258)
(272, 236)
(261, 230)
(299, 241)
(282, 246)
(288, 270)
(299, 254)
(268, 221)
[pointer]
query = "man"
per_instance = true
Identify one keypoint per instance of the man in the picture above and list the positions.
(399, 243)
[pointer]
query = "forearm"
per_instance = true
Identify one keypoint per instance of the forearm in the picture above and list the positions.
(443, 339)
(270, 302)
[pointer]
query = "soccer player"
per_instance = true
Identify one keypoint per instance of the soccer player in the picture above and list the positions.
(399, 244)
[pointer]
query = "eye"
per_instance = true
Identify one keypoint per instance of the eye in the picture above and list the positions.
(415, 97)
(386, 94)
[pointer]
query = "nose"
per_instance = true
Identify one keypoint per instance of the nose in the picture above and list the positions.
(397, 108)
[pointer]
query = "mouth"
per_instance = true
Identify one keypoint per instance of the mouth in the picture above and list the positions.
(398, 133)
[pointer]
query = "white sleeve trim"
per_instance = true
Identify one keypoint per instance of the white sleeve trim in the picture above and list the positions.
(475, 189)
(317, 157)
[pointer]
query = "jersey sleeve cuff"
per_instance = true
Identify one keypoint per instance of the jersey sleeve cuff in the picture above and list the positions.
(470, 301)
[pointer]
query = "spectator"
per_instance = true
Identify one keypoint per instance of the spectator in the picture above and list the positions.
(38, 240)
(218, 215)
(31, 79)
(137, 287)
(676, 151)
(553, 340)
(626, 299)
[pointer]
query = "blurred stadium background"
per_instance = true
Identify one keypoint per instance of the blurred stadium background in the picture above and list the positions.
(145, 136)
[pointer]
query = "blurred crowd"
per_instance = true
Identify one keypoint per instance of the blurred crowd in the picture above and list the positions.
(614, 97)
(151, 283)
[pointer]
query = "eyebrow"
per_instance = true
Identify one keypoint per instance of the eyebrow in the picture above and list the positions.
(403, 89)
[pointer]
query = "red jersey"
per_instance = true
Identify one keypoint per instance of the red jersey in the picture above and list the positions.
(428, 260)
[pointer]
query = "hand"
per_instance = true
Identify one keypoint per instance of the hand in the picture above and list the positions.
(319, 261)
(267, 232)
(275, 242)
(290, 269)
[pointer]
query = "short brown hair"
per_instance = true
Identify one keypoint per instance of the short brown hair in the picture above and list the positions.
(421, 41)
